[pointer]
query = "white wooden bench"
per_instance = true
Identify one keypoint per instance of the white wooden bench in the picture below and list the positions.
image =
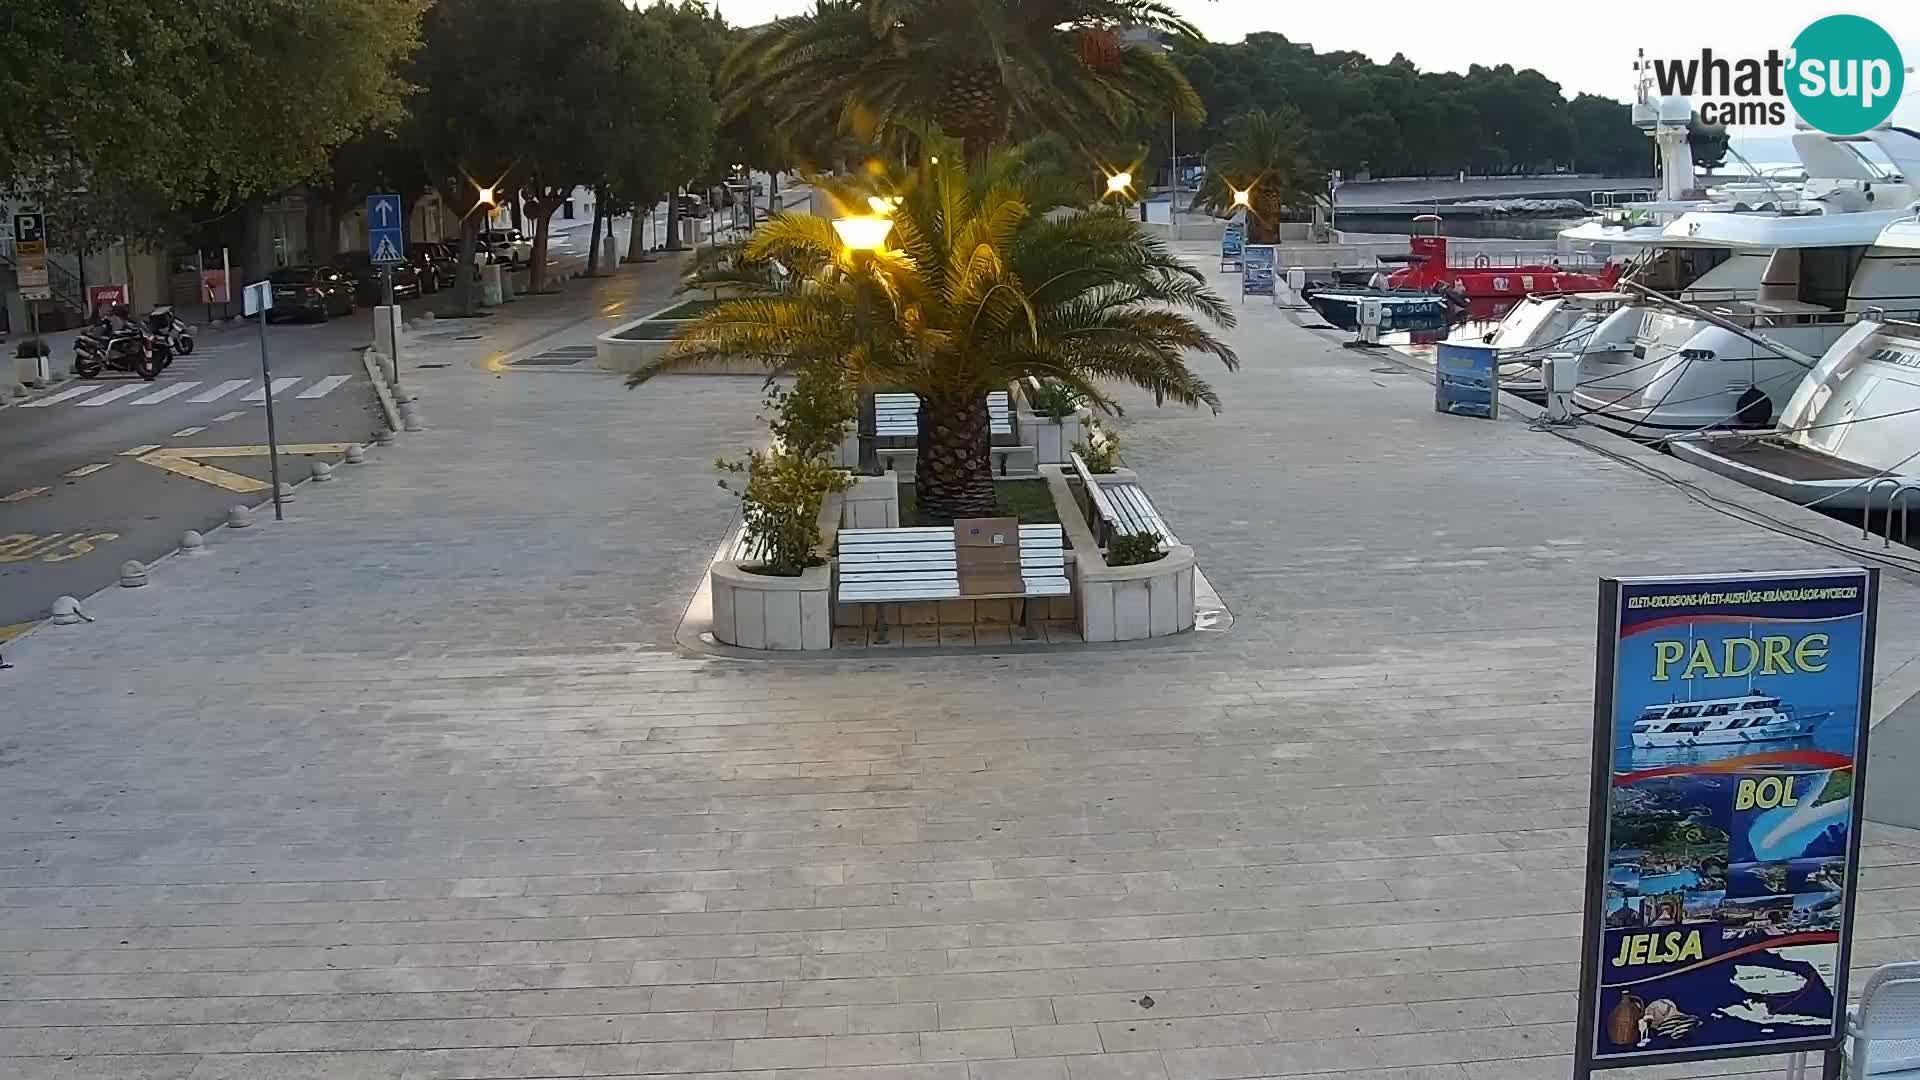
(1120, 507)
(897, 427)
(894, 566)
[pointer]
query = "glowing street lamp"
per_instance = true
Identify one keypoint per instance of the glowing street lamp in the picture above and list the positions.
(863, 232)
(1243, 198)
(1119, 182)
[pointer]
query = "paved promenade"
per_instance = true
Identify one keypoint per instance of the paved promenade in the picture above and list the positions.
(415, 785)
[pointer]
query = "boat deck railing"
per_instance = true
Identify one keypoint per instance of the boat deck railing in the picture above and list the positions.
(1900, 491)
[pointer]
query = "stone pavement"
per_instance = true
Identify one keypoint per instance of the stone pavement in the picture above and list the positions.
(416, 786)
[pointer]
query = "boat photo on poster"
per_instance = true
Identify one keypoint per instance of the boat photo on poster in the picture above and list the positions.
(1729, 746)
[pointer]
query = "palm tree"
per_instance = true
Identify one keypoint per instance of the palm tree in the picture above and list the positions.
(979, 290)
(1263, 153)
(975, 68)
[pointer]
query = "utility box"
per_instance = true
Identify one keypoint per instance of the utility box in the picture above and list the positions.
(491, 290)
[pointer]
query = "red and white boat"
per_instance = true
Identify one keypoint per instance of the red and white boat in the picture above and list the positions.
(1492, 286)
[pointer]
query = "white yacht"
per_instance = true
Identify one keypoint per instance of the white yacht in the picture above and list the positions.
(1652, 371)
(1849, 437)
(1748, 717)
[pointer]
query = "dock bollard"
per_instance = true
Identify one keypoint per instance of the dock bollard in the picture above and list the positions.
(192, 543)
(383, 437)
(133, 574)
(322, 472)
(356, 455)
(239, 518)
(286, 491)
(66, 611)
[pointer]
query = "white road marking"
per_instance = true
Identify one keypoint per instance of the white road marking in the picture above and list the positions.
(138, 450)
(280, 386)
(234, 415)
(115, 394)
(185, 432)
(218, 392)
(323, 387)
(88, 470)
(161, 395)
(64, 395)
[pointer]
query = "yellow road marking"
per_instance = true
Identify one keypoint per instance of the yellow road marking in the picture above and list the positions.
(8, 633)
(138, 450)
(24, 494)
(184, 432)
(23, 547)
(88, 470)
(234, 415)
(182, 462)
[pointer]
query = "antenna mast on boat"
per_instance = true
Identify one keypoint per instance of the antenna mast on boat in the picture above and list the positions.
(1666, 121)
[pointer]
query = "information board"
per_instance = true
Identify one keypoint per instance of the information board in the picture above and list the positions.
(1729, 752)
(1233, 242)
(1256, 272)
(1466, 380)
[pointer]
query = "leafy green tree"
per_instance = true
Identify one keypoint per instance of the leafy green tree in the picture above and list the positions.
(977, 69)
(979, 289)
(115, 111)
(1264, 154)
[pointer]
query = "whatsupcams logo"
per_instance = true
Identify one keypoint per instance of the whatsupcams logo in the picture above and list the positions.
(1843, 75)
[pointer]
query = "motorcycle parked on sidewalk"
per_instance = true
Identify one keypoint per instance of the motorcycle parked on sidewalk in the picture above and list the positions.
(132, 349)
(162, 322)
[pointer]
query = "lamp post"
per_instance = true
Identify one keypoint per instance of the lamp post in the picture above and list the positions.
(864, 235)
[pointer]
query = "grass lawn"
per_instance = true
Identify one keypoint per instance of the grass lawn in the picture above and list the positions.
(1027, 500)
(652, 330)
(689, 309)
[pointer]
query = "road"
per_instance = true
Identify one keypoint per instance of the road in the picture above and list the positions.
(99, 472)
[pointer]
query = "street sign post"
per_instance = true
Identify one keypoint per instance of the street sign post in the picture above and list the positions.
(259, 301)
(30, 255)
(386, 230)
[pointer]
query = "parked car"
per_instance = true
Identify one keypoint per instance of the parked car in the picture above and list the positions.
(509, 246)
(436, 264)
(369, 283)
(312, 292)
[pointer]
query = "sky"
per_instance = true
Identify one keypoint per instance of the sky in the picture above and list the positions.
(1586, 47)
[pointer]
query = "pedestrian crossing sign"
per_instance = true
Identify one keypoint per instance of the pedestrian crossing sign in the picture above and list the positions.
(386, 239)
(387, 251)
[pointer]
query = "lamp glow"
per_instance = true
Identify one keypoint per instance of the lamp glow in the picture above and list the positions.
(1119, 182)
(1242, 198)
(863, 232)
(486, 196)
(879, 205)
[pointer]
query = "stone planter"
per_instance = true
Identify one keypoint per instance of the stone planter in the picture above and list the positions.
(873, 502)
(631, 346)
(1053, 437)
(1129, 603)
(779, 614)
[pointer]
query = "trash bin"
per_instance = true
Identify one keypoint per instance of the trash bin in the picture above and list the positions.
(491, 291)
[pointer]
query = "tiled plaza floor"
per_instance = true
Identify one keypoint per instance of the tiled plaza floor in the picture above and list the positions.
(417, 786)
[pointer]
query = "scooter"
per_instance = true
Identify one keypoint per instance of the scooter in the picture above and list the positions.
(163, 322)
(133, 349)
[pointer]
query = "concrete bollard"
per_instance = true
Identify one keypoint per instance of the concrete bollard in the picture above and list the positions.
(133, 574)
(410, 416)
(192, 543)
(66, 611)
(383, 437)
(239, 517)
(356, 455)
(322, 472)
(286, 491)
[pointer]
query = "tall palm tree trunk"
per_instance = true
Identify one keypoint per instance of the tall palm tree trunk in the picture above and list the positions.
(953, 472)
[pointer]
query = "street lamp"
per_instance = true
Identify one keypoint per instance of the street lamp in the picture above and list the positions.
(1243, 199)
(1118, 183)
(865, 235)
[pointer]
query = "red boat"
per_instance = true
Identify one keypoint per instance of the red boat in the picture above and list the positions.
(1492, 286)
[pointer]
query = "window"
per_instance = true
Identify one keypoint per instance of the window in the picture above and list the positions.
(1721, 709)
(1642, 728)
(1653, 714)
(1684, 710)
(1691, 727)
(1767, 703)
(1737, 724)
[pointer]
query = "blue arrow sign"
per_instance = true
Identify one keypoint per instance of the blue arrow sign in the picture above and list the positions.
(386, 223)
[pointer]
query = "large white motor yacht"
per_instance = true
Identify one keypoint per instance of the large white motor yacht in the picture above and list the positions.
(1652, 371)
(1849, 437)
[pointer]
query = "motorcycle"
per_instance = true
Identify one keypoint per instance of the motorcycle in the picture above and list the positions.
(133, 349)
(162, 322)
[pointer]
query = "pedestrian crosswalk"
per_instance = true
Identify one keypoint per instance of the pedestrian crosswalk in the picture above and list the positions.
(188, 391)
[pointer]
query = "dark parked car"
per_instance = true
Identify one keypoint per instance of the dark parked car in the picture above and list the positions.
(369, 285)
(312, 292)
(436, 264)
